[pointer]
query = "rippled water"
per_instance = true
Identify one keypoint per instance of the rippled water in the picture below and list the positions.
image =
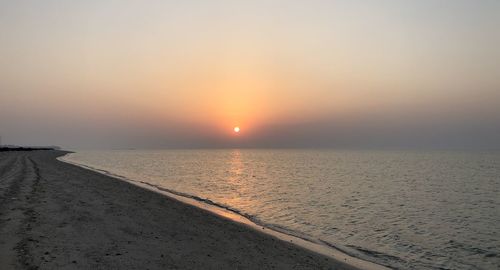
(409, 210)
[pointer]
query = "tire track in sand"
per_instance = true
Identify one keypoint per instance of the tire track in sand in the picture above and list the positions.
(28, 241)
(8, 171)
(18, 179)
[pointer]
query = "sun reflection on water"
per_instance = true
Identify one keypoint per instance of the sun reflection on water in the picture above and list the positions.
(236, 178)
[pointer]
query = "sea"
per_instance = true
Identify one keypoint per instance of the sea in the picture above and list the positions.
(402, 209)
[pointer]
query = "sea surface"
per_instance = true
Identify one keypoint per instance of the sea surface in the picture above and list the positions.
(403, 209)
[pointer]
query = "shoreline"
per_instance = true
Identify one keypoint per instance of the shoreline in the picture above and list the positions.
(315, 245)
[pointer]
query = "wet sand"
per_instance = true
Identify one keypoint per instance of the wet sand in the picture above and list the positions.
(55, 215)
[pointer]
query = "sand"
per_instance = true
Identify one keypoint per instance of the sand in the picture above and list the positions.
(55, 215)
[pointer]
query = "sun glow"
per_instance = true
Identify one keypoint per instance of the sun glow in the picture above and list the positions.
(236, 129)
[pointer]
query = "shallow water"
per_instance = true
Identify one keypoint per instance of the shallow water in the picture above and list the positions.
(408, 210)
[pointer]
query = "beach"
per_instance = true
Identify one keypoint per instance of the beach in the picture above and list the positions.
(55, 215)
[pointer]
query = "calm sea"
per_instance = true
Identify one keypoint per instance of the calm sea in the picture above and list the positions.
(408, 210)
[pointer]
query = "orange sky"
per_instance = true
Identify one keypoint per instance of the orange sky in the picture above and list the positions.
(198, 69)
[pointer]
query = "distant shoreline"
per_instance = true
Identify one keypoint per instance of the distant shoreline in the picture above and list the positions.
(20, 148)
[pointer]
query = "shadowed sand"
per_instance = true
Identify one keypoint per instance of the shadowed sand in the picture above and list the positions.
(55, 215)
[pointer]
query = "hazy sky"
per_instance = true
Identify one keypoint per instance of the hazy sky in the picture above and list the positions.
(289, 73)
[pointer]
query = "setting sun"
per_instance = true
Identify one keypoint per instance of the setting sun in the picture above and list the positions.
(237, 129)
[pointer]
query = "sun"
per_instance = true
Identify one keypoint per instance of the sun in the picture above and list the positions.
(236, 129)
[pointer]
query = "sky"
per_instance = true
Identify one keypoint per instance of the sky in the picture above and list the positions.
(176, 74)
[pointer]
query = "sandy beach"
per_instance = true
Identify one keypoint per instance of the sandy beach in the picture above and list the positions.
(55, 215)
